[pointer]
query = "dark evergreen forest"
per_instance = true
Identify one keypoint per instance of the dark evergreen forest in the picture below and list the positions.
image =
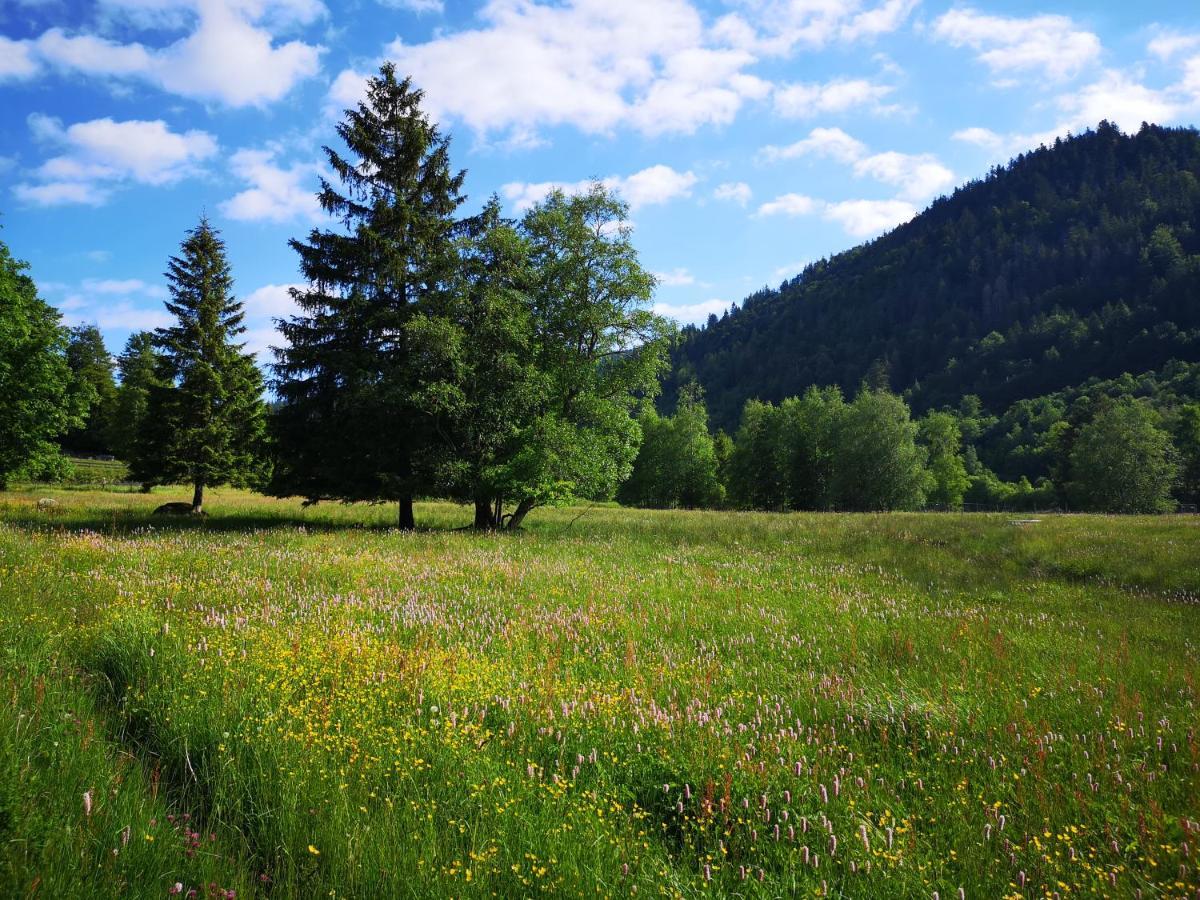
(1073, 270)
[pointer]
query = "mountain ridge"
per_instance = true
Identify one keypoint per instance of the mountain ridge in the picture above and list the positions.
(1076, 261)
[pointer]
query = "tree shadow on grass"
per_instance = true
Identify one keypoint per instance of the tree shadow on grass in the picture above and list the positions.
(126, 520)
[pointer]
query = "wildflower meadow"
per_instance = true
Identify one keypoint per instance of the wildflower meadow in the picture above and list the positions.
(303, 702)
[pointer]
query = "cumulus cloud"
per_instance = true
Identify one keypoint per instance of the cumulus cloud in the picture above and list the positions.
(230, 56)
(918, 176)
(596, 65)
(863, 218)
(832, 143)
(1118, 96)
(100, 155)
(123, 286)
(784, 25)
(1047, 46)
(805, 100)
(649, 187)
(275, 194)
(675, 278)
(1166, 45)
(263, 306)
(17, 60)
(691, 312)
(735, 191)
(790, 205)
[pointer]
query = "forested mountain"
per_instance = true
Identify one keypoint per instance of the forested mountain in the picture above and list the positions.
(1074, 262)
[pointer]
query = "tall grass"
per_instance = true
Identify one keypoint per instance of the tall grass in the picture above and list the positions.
(675, 703)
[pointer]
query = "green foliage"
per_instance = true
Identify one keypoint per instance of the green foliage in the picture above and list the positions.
(878, 463)
(597, 345)
(205, 422)
(818, 452)
(757, 472)
(1123, 461)
(677, 465)
(92, 371)
(346, 426)
(1187, 442)
(810, 447)
(138, 368)
(942, 439)
(37, 399)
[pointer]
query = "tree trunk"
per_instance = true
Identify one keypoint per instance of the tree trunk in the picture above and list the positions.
(484, 517)
(520, 513)
(407, 522)
(198, 499)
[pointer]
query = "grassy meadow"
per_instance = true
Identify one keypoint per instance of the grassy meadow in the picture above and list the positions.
(290, 702)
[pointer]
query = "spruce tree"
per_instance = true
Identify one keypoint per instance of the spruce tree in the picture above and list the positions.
(138, 368)
(349, 427)
(205, 421)
(92, 367)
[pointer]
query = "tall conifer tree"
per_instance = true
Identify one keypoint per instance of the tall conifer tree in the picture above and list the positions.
(348, 426)
(206, 420)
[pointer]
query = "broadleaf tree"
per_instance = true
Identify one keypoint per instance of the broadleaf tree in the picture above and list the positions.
(598, 346)
(37, 399)
(205, 423)
(1123, 461)
(346, 426)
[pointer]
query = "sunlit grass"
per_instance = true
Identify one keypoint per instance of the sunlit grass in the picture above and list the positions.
(678, 703)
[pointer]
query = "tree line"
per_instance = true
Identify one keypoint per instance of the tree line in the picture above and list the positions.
(510, 364)
(492, 361)
(1077, 260)
(821, 451)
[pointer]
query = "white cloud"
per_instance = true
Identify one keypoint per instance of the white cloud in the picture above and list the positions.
(117, 313)
(862, 218)
(675, 278)
(594, 65)
(275, 194)
(882, 19)
(101, 154)
(980, 137)
(692, 312)
(918, 176)
(122, 286)
(790, 205)
(271, 301)
(828, 142)
(17, 60)
(786, 24)
(230, 57)
(649, 187)
(804, 100)
(1115, 95)
(263, 306)
(589, 64)
(1046, 46)
(735, 191)
(1119, 99)
(62, 193)
(1168, 44)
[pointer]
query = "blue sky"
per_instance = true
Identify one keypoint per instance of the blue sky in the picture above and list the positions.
(749, 136)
